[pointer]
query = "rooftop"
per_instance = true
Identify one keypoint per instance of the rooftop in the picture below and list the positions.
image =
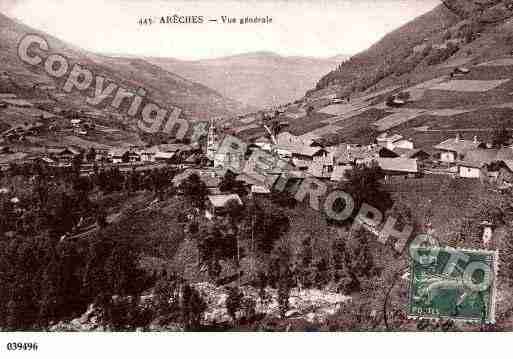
(339, 173)
(480, 157)
(392, 138)
(299, 149)
(457, 145)
(407, 153)
(349, 153)
(221, 200)
(398, 165)
(317, 170)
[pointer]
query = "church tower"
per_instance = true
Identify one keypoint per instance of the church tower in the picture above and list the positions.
(212, 144)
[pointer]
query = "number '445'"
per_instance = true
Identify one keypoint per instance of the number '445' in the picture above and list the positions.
(145, 21)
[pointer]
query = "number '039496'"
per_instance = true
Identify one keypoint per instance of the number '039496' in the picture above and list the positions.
(22, 346)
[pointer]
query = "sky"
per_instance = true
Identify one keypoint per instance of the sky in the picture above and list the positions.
(316, 28)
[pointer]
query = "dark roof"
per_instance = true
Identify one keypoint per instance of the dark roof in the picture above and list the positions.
(408, 153)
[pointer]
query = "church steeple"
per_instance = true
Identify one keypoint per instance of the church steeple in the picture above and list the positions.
(212, 144)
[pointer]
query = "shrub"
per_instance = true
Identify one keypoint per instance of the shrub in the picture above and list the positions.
(440, 55)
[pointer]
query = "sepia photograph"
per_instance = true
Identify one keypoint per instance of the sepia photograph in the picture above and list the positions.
(243, 166)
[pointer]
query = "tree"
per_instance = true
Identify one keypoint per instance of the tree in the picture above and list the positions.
(192, 307)
(358, 260)
(233, 302)
(76, 163)
(321, 270)
(91, 155)
(268, 227)
(364, 185)
(101, 217)
(405, 96)
(501, 136)
(50, 296)
(195, 190)
(230, 184)
(122, 270)
(281, 274)
(306, 262)
(125, 158)
(166, 296)
(338, 259)
(390, 101)
(208, 244)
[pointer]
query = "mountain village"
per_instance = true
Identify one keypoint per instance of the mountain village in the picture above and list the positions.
(106, 227)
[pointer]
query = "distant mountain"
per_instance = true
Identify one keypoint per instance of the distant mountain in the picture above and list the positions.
(162, 86)
(259, 79)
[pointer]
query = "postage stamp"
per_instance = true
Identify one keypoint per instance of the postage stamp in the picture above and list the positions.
(449, 283)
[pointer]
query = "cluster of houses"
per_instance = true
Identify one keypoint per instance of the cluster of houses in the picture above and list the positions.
(129, 157)
(475, 159)
(394, 154)
(82, 126)
(164, 153)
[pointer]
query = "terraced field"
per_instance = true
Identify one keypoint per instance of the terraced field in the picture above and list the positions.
(498, 62)
(469, 85)
(437, 108)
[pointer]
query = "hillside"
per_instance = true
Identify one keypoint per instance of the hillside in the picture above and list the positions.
(420, 59)
(259, 79)
(34, 85)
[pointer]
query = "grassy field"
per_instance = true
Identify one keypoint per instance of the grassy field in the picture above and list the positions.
(498, 62)
(309, 123)
(469, 85)
(357, 129)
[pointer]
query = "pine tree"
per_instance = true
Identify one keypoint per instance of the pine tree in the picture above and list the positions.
(281, 272)
(50, 302)
(195, 190)
(306, 261)
(339, 252)
(359, 262)
(233, 302)
(192, 307)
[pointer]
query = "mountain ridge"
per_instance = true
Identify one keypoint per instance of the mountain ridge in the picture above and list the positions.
(260, 79)
(196, 100)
